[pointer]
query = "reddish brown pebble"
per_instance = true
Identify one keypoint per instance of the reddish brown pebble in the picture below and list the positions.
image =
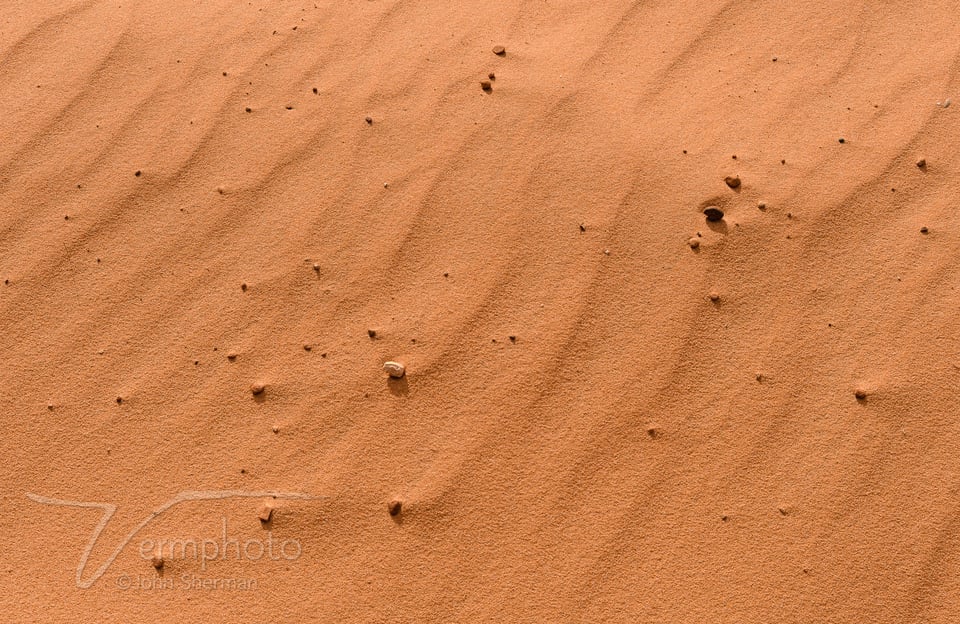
(372, 333)
(231, 356)
(714, 296)
(137, 173)
(157, 560)
(119, 400)
(243, 286)
(257, 389)
(492, 76)
(694, 243)
(732, 181)
(924, 230)
(486, 85)
(394, 507)
(369, 120)
(922, 163)
(266, 512)
(860, 394)
(499, 50)
(307, 347)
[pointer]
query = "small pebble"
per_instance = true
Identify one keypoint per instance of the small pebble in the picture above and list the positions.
(119, 400)
(713, 213)
(265, 513)
(714, 296)
(276, 429)
(499, 50)
(316, 267)
(307, 347)
(248, 109)
(369, 120)
(394, 507)
(231, 356)
(922, 163)
(157, 560)
(395, 369)
(372, 333)
(492, 76)
(512, 338)
(486, 85)
(694, 243)
(732, 181)
(842, 140)
(860, 393)
(137, 173)
(924, 230)
(243, 286)
(582, 228)
(762, 205)
(257, 389)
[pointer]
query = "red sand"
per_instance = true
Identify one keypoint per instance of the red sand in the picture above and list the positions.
(637, 453)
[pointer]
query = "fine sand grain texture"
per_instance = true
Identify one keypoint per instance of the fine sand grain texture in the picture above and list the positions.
(219, 219)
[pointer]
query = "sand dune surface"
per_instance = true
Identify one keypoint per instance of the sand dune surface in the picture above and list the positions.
(218, 220)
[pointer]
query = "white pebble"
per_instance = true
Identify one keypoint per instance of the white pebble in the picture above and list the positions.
(394, 369)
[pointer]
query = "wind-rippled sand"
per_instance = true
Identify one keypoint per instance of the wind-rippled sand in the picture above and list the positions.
(583, 433)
